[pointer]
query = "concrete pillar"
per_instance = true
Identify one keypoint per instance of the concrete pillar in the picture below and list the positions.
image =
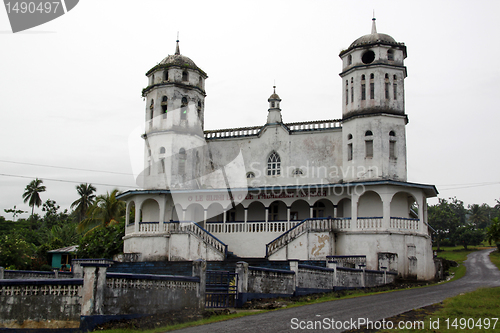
(311, 209)
(288, 216)
(200, 270)
(332, 265)
(94, 283)
(2, 273)
(184, 214)
(267, 214)
(205, 215)
(56, 273)
(386, 210)
(354, 209)
(161, 217)
(363, 275)
(224, 218)
(242, 272)
(137, 216)
(294, 266)
(335, 211)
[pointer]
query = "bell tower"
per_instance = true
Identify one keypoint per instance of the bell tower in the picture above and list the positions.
(175, 104)
(274, 111)
(373, 109)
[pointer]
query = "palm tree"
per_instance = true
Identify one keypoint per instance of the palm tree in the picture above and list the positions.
(32, 194)
(106, 210)
(87, 198)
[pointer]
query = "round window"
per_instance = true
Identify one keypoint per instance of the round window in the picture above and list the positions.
(368, 57)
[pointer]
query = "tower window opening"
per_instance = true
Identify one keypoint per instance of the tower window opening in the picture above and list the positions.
(395, 90)
(272, 104)
(349, 152)
(368, 57)
(164, 102)
(392, 150)
(387, 90)
(184, 104)
(250, 175)
(369, 148)
(346, 92)
(392, 133)
(165, 75)
(185, 76)
(297, 172)
(352, 94)
(349, 60)
(349, 136)
(182, 161)
(363, 88)
(162, 166)
(152, 109)
(368, 133)
(162, 150)
(372, 86)
(390, 55)
(274, 164)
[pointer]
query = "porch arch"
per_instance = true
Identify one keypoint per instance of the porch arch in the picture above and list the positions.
(150, 211)
(370, 205)
(299, 210)
(256, 211)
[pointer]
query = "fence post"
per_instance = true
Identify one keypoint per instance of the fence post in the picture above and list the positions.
(294, 266)
(333, 265)
(363, 276)
(94, 283)
(200, 270)
(385, 273)
(242, 272)
(2, 270)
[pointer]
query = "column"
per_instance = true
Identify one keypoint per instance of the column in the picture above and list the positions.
(294, 266)
(161, 218)
(199, 269)
(311, 208)
(242, 271)
(354, 210)
(386, 210)
(137, 215)
(246, 219)
(224, 218)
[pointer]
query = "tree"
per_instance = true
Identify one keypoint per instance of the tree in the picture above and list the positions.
(443, 220)
(468, 235)
(493, 232)
(15, 252)
(15, 212)
(106, 210)
(478, 216)
(32, 192)
(102, 242)
(87, 198)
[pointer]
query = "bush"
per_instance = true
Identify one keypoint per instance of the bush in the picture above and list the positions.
(102, 242)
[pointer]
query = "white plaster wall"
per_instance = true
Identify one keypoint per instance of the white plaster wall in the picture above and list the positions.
(152, 247)
(400, 205)
(370, 205)
(370, 244)
(246, 244)
(308, 246)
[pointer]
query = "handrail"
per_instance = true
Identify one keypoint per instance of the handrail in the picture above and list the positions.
(270, 249)
(196, 229)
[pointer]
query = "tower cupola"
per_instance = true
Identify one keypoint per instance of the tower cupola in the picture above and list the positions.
(274, 111)
(373, 74)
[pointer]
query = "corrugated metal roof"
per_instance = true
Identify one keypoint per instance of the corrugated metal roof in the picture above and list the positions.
(67, 249)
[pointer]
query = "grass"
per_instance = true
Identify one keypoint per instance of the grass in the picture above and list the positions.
(495, 258)
(472, 309)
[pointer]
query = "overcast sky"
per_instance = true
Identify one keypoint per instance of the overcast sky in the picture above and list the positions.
(70, 90)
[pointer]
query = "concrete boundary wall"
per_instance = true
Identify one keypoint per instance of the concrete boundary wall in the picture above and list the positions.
(98, 297)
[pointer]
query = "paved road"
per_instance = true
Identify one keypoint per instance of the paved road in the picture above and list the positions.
(480, 273)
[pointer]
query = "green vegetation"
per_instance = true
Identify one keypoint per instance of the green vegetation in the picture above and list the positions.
(25, 243)
(495, 258)
(471, 312)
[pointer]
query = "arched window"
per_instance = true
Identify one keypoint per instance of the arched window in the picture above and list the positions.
(372, 86)
(162, 150)
(390, 55)
(274, 164)
(349, 60)
(182, 161)
(297, 172)
(368, 133)
(352, 90)
(152, 109)
(346, 92)
(387, 85)
(164, 102)
(363, 88)
(349, 136)
(392, 133)
(185, 76)
(395, 87)
(250, 175)
(184, 104)
(165, 75)
(198, 108)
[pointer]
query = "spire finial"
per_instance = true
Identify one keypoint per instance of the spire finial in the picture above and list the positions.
(177, 50)
(374, 27)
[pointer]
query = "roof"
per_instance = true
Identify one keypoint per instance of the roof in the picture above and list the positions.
(373, 39)
(67, 249)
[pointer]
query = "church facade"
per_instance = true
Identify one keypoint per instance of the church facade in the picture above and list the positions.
(282, 191)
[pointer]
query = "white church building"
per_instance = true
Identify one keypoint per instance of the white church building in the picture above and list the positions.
(282, 191)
